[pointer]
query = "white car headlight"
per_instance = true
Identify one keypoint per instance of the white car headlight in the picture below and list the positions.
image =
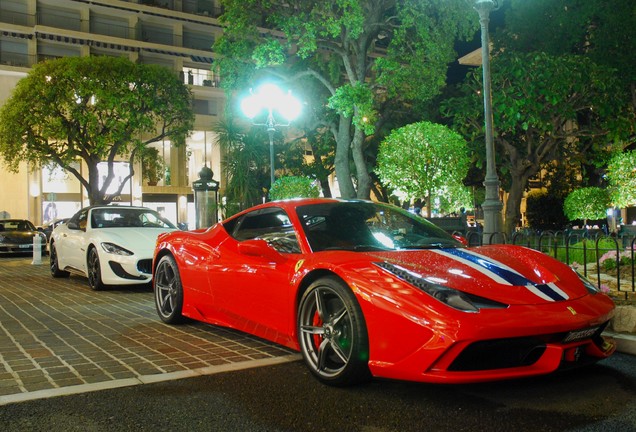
(114, 249)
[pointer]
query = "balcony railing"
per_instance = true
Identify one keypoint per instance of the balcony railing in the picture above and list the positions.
(106, 27)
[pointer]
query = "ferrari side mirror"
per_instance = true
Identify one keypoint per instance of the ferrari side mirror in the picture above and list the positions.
(461, 239)
(258, 248)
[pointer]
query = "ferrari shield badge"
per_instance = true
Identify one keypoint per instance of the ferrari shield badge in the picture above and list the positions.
(299, 264)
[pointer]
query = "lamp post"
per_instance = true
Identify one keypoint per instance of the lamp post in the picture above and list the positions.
(492, 206)
(206, 198)
(271, 98)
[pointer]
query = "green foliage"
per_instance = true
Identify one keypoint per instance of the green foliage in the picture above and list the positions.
(319, 166)
(95, 109)
(621, 176)
(334, 43)
(587, 203)
(544, 211)
(245, 163)
(356, 101)
(604, 31)
(425, 160)
(293, 187)
(584, 251)
(611, 260)
(152, 164)
(538, 98)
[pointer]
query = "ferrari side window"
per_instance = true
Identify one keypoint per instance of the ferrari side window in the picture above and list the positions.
(272, 225)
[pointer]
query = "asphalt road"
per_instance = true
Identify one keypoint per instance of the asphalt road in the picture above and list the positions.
(286, 397)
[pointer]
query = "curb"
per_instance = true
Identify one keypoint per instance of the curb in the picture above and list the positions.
(625, 343)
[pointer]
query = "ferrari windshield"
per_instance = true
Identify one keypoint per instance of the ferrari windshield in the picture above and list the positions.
(364, 226)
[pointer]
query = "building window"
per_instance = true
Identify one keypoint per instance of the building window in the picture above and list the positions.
(199, 41)
(156, 34)
(205, 107)
(47, 51)
(59, 18)
(110, 26)
(13, 52)
(198, 77)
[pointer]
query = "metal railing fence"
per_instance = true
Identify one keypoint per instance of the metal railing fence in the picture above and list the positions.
(599, 256)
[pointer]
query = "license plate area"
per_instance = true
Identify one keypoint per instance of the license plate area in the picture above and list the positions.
(579, 335)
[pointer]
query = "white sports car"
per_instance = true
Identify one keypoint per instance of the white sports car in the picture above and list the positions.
(111, 245)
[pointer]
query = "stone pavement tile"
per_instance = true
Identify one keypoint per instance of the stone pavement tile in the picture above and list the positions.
(58, 332)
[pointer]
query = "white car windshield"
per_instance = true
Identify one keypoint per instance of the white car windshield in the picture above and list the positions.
(128, 218)
(364, 226)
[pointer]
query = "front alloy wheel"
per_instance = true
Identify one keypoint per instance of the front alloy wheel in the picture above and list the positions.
(168, 290)
(56, 272)
(94, 270)
(332, 333)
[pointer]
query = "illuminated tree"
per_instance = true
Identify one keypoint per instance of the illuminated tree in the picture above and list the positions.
(426, 160)
(367, 56)
(95, 109)
(587, 203)
(621, 175)
(293, 187)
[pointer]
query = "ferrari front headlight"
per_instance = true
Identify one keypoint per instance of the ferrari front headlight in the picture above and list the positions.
(115, 249)
(454, 298)
(591, 288)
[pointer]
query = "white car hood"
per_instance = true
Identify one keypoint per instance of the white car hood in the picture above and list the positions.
(140, 241)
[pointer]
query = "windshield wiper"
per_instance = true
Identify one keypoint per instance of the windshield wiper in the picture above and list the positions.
(358, 248)
(370, 248)
(430, 246)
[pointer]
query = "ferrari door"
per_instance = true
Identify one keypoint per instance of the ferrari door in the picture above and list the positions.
(252, 283)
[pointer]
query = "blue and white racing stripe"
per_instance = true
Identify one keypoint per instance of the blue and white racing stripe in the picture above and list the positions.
(503, 274)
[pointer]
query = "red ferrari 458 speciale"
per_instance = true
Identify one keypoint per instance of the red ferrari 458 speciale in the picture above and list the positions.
(366, 289)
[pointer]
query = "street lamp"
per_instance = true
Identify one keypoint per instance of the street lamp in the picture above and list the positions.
(272, 99)
(492, 206)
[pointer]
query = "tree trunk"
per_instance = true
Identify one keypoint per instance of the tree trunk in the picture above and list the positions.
(362, 174)
(323, 179)
(343, 172)
(513, 205)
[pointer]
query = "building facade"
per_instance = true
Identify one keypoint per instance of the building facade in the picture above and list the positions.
(177, 34)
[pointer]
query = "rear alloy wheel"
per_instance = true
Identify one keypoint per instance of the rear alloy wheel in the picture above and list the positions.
(94, 271)
(168, 291)
(54, 264)
(332, 333)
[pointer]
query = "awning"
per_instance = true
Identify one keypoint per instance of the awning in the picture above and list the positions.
(17, 35)
(59, 38)
(202, 59)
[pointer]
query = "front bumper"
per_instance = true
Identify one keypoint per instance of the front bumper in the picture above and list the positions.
(127, 270)
(17, 247)
(517, 342)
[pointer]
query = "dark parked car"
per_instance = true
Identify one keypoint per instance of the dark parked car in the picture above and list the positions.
(16, 236)
(47, 229)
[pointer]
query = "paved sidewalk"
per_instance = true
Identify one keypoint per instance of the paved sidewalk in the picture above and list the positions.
(57, 336)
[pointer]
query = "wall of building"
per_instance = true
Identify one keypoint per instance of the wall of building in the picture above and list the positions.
(177, 34)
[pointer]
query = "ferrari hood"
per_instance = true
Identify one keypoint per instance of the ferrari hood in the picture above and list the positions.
(511, 275)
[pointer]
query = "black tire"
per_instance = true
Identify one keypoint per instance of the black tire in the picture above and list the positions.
(94, 270)
(332, 333)
(54, 265)
(168, 291)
